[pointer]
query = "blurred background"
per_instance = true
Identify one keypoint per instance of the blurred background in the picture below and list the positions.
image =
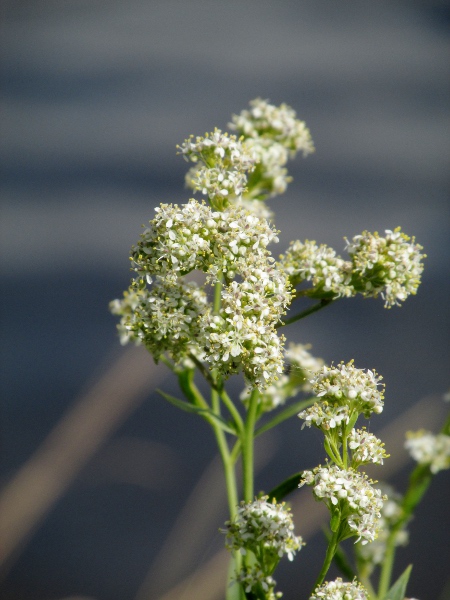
(107, 492)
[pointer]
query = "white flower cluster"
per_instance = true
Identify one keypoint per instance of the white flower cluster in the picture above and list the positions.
(429, 449)
(325, 416)
(164, 319)
(263, 524)
(390, 266)
(327, 271)
(302, 365)
(366, 448)
(344, 384)
(340, 590)
(221, 163)
(176, 318)
(273, 134)
(278, 123)
(253, 578)
(193, 236)
(358, 500)
(374, 552)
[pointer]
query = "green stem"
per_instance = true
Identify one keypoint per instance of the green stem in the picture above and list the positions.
(419, 482)
(308, 311)
(232, 409)
(331, 551)
(247, 446)
(228, 465)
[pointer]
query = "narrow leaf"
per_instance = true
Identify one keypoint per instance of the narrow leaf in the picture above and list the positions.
(287, 413)
(398, 590)
(286, 487)
(203, 412)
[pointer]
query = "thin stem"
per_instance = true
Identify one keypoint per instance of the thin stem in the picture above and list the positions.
(418, 484)
(331, 551)
(230, 476)
(247, 446)
(308, 311)
(232, 408)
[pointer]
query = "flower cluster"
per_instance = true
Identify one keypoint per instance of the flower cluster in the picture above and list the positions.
(373, 553)
(278, 123)
(329, 273)
(302, 365)
(164, 319)
(340, 590)
(352, 493)
(366, 448)
(264, 528)
(174, 317)
(253, 579)
(221, 163)
(429, 449)
(390, 266)
(272, 134)
(344, 384)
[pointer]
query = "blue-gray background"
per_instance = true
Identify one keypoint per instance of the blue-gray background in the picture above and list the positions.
(95, 96)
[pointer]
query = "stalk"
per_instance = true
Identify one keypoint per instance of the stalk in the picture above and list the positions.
(247, 446)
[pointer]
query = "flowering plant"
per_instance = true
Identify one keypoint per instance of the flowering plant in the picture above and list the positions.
(209, 300)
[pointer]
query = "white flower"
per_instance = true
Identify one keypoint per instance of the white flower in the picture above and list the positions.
(263, 524)
(301, 366)
(391, 512)
(253, 577)
(353, 492)
(325, 416)
(278, 123)
(329, 273)
(345, 384)
(339, 590)
(165, 318)
(429, 449)
(366, 448)
(389, 266)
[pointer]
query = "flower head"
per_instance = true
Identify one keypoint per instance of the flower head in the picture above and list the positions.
(340, 590)
(329, 273)
(366, 448)
(389, 266)
(277, 123)
(429, 449)
(345, 384)
(353, 493)
(263, 524)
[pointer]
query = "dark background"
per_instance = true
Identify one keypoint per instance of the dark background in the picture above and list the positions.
(95, 97)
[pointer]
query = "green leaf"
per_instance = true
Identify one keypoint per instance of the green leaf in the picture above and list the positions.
(398, 590)
(286, 487)
(206, 413)
(287, 413)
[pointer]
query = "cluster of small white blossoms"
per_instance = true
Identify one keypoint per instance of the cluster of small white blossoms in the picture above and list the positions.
(391, 512)
(221, 163)
(253, 578)
(273, 134)
(366, 448)
(278, 123)
(266, 525)
(302, 366)
(359, 501)
(429, 449)
(327, 271)
(176, 318)
(164, 319)
(343, 389)
(340, 590)
(389, 266)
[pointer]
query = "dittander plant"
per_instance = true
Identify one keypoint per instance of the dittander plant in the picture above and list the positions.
(210, 300)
